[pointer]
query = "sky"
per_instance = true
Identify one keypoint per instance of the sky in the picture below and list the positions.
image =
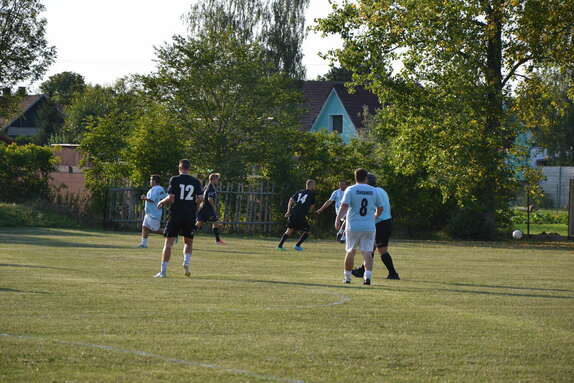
(104, 40)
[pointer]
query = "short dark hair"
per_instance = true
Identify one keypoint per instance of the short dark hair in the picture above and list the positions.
(372, 179)
(361, 175)
(155, 178)
(185, 164)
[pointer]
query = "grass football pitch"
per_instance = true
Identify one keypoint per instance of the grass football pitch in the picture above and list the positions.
(82, 306)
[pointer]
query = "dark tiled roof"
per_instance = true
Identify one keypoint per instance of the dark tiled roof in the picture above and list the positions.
(316, 93)
(26, 103)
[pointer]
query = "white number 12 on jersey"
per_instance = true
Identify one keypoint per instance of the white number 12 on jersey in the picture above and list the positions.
(186, 188)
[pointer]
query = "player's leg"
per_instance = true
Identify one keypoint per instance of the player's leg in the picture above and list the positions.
(382, 243)
(286, 235)
(349, 256)
(144, 238)
(366, 245)
(341, 238)
(165, 256)
(187, 252)
(216, 228)
(304, 226)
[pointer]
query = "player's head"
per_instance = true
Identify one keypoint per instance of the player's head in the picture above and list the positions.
(154, 180)
(361, 175)
(343, 185)
(184, 165)
(214, 178)
(372, 179)
(310, 184)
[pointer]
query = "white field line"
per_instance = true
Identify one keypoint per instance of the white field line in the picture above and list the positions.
(163, 358)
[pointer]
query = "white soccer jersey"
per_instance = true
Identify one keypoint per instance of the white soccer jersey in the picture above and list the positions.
(337, 197)
(363, 201)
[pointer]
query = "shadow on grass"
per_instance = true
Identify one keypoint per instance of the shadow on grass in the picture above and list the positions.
(394, 288)
(7, 290)
(47, 231)
(493, 286)
(567, 245)
(33, 266)
(51, 242)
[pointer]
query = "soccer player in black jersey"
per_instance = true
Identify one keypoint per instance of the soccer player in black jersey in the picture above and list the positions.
(208, 210)
(184, 193)
(300, 204)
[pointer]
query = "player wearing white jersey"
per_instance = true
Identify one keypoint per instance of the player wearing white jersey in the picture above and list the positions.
(152, 218)
(361, 204)
(336, 198)
(384, 228)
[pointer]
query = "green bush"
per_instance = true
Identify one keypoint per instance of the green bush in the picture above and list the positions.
(540, 217)
(24, 171)
(34, 213)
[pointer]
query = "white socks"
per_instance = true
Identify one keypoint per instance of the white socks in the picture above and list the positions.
(347, 275)
(144, 242)
(186, 259)
(368, 274)
(164, 267)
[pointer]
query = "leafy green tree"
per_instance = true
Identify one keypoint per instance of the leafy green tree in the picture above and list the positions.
(25, 54)
(155, 145)
(221, 92)
(278, 25)
(62, 87)
(337, 73)
(445, 116)
(24, 171)
(546, 110)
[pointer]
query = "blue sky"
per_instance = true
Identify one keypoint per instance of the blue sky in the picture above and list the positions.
(106, 39)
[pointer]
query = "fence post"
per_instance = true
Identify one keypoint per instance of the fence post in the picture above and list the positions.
(571, 210)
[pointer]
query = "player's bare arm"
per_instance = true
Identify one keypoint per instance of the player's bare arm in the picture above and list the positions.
(167, 200)
(325, 206)
(342, 213)
(289, 207)
(379, 212)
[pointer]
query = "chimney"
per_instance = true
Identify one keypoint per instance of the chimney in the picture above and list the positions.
(21, 91)
(6, 92)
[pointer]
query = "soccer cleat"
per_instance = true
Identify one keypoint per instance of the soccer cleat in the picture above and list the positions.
(298, 248)
(346, 281)
(367, 282)
(359, 272)
(187, 272)
(393, 276)
(219, 242)
(279, 248)
(142, 246)
(160, 275)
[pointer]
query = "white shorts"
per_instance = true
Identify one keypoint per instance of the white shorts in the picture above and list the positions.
(151, 223)
(364, 240)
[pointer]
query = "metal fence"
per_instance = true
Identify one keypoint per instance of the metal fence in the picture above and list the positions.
(242, 208)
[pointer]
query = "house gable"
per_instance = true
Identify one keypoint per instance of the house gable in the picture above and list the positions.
(25, 124)
(331, 110)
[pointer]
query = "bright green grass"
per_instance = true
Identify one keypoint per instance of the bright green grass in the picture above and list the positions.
(463, 312)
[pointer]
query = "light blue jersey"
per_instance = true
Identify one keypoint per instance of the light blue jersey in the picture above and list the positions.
(156, 193)
(363, 201)
(337, 197)
(386, 214)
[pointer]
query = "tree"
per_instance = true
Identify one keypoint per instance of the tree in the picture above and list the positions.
(62, 87)
(337, 73)
(445, 110)
(221, 92)
(278, 25)
(24, 51)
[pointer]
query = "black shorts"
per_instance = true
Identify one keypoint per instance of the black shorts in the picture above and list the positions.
(384, 230)
(298, 222)
(177, 225)
(207, 214)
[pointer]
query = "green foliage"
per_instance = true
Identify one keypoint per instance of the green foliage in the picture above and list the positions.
(155, 146)
(233, 110)
(32, 214)
(24, 171)
(445, 118)
(50, 120)
(24, 51)
(62, 87)
(277, 25)
(540, 217)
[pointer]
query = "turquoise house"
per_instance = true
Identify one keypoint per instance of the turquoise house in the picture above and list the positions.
(329, 106)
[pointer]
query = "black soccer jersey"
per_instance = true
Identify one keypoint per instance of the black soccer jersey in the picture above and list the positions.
(185, 188)
(303, 201)
(210, 192)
